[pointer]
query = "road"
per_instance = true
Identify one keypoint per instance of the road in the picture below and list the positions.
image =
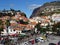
(52, 39)
(56, 40)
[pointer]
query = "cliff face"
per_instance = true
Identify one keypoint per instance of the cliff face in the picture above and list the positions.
(46, 9)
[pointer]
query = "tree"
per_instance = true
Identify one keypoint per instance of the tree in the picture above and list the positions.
(22, 22)
(23, 14)
(1, 26)
(18, 11)
(56, 26)
(12, 9)
(48, 27)
(4, 10)
(38, 27)
(7, 24)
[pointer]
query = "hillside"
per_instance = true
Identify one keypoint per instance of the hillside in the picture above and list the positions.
(11, 12)
(47, 9)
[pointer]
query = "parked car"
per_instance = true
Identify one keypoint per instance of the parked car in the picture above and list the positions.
(58, 43)
(4, 37)
(32, 41)
(52, 44)
(49, 32)
(25, 43)
(58, 33)
(40, 39)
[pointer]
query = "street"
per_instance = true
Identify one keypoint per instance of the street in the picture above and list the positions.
(25, 41)
(56, 40)
(53, 39)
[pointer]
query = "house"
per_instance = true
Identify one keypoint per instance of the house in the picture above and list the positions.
(13, 23)
(8, 31)
(56, 17)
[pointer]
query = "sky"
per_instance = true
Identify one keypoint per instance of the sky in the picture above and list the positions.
(26, 6)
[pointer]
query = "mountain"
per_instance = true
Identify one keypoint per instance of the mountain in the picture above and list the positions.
(47, 9)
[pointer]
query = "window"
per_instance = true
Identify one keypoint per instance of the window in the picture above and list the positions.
(14, 30)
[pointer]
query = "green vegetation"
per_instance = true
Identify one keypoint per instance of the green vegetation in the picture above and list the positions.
(48, 8)
(49, 13)
(10, 12)
(54, 3)
(23, 14)
(1, 26)
(57, 11)
(7, 24)
(22, 22)
(38, 27)
(56, 27)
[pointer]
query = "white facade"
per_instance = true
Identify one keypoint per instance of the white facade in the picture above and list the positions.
(56, 17)
(44, 24)
(13, 21)
(10, 31)
(4, 32)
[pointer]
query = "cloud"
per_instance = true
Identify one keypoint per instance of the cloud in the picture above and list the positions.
(11, 5)
(33, 6)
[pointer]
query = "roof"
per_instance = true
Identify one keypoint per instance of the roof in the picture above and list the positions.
(33, 23)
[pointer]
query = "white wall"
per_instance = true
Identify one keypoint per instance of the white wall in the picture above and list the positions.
(10, 31)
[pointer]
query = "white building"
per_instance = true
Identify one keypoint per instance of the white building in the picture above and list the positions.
(56, 17)
(11, 31)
